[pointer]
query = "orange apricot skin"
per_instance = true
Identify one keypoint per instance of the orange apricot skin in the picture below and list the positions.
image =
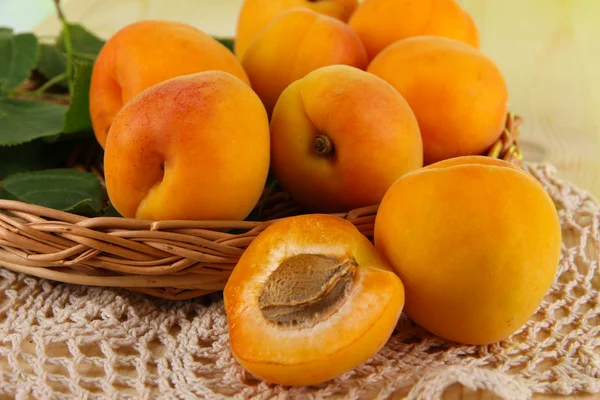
(476, 243)
(374, 132)
(379, 23)
(358, 330)
(458, 94)
(145, 53)
(294, 44)
(179, 150)
(256, 14)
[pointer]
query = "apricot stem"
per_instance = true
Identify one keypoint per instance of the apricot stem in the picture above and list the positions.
(323, 145)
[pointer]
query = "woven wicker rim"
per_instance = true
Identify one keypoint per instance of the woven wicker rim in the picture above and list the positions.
(168, 259)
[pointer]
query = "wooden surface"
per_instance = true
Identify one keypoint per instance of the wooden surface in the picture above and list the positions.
(548, 50)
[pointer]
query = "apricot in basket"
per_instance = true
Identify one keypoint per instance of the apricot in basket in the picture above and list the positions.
(380, 23)
(295, 43)
(340, 137)
(457, 93)
(144, 54)
(256, 14)
(192, 147)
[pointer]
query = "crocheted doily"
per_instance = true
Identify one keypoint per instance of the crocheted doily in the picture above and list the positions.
(64, 341)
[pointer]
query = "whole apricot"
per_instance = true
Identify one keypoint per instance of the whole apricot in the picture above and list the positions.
(191, 147)
(475, 241)
(458, 94)
(295, 43)
(255, 14)
(340, 137)
(379, 23)
(145, 53)
(309, 300)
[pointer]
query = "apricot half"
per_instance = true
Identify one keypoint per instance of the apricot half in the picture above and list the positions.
(309, 300)
(192, 147)
(256, 14)
(458, 94)
(476, 243)
(379, 23)
(295, 43)
(145, 53)
(340, 137)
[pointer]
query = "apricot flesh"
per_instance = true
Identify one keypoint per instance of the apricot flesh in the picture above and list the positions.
(458, 94)
(256, 14)
(294, 44)
(476, 243)
(379, 23)
(145, 53)
(340, 137)
(192, 147)
(309, 300)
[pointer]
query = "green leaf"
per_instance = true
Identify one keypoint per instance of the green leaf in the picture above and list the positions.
(111, 211)
(22, 121)
(61, 189)
(85, 44)
(52, 62)
(78, 117)
(33, 156)
(5, 195)
(227, 42)
(18, 56)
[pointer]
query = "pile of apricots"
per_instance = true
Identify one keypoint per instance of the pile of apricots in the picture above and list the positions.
(386, 102)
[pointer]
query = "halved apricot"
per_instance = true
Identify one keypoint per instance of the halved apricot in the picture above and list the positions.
(309, 300)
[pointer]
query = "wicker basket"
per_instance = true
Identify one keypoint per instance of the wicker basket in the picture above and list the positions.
(168, 259)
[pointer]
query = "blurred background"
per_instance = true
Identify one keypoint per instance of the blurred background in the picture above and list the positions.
(24, 15)
(548, 50)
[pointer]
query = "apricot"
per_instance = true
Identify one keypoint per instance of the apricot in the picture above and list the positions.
(145, 53)
(340, 137)
(295, 43)
(192, 147)
(309, 300)
(379, 23)
(476, 242)
(255, 14)
(458, 94)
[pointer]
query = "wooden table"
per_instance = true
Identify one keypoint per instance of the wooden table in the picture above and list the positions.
(548, 50)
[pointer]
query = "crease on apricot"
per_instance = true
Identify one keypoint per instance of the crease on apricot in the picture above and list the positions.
(295, 65)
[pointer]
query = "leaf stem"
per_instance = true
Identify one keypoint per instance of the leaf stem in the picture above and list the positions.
(86, 56)
(50, 83)
(68, 45)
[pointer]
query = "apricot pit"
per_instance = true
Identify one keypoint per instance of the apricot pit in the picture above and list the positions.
(306, 289)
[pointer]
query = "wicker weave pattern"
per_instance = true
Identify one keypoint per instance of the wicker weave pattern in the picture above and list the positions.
(141, 255)
(168, 259)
